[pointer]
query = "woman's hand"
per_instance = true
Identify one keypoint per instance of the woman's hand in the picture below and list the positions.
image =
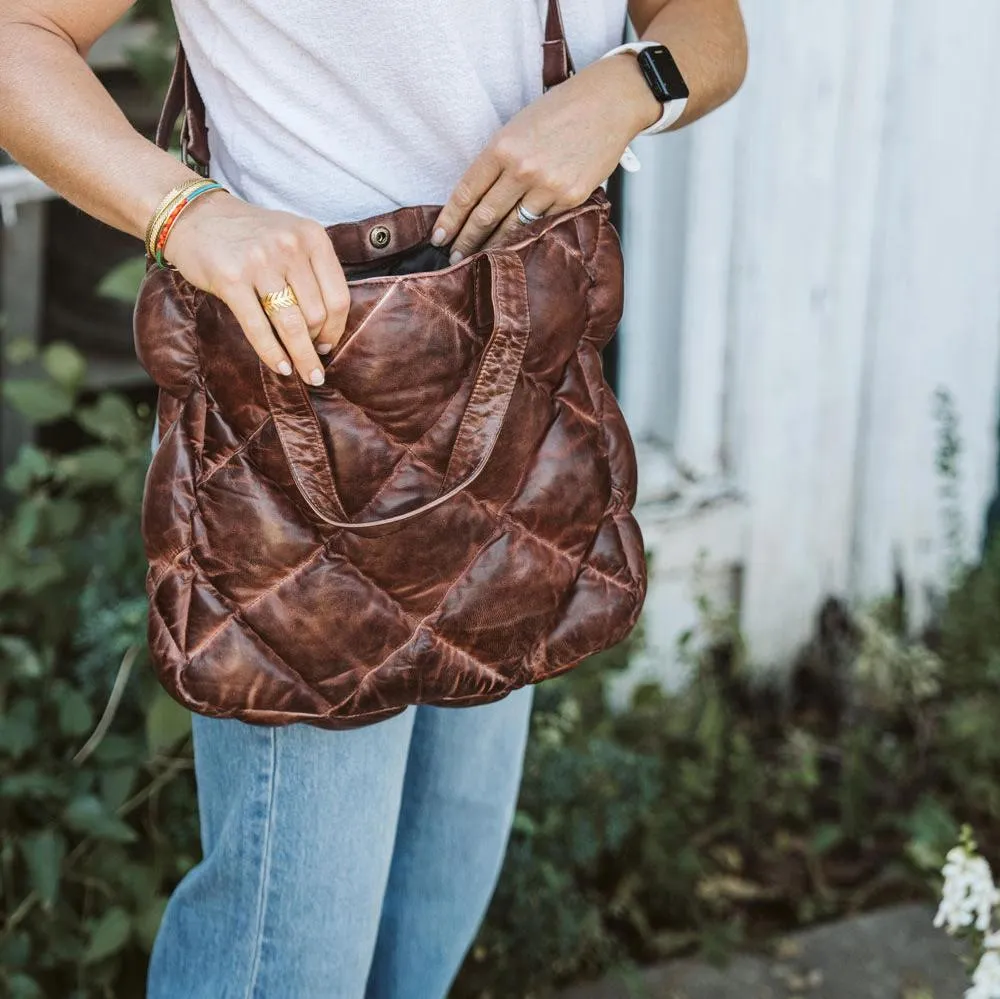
(240, 252)
(550, 156)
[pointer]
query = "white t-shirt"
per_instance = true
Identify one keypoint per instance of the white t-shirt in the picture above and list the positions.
(342, 109)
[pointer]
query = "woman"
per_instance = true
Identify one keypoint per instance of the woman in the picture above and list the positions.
(355, 863)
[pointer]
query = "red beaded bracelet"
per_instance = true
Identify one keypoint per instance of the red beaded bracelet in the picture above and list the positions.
(160, 238)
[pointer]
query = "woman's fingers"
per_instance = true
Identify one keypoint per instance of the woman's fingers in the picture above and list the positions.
(329, 276)
(509, 231)
(300, 277)
(468, 192)
(290, 325)
(246, 307)
(498, 202)
(241, 252)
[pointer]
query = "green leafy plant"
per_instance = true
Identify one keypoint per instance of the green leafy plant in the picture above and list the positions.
(730, 813)
(154, 59)
(88, 850)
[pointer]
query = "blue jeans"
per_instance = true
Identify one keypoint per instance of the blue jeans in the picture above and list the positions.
(342, 865)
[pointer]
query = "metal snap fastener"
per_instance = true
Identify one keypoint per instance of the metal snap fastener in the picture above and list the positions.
(379, 237)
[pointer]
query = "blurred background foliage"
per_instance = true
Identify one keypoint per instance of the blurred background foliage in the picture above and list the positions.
(154, 59)
(698, 821)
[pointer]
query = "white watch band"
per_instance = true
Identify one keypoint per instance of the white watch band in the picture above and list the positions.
(672, 110)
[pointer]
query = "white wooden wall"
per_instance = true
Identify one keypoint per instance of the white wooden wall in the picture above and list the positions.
(806, 267)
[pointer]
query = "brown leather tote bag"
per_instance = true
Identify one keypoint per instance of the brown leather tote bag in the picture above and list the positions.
(446, 519)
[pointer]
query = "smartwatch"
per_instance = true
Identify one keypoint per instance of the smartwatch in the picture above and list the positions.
(662, 77)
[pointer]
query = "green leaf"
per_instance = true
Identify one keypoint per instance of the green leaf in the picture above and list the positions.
(826, 837)
(75, 715)
(19, 728)
(15, 950)
(112, 419)
(64, 364)
(93, 466)
(31, 465)
(32, 786)
(523, 824)
(88, 815)
(22, 658)
(38, 400)
(122, 281)
(167, 722)
(8, 569)
(148, 922)
(116, 784)
(22, 986)
(63, 516)
(108, 935)
(26, 523)
(43, 854)
(20, 351)
(117, 749)
(45, 571)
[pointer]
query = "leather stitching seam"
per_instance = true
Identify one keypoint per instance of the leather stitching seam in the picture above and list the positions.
(453, 316)
(292, 672)
(316, 552)
(436, 636)
(517, 527)
(218, 466)
(364, 322)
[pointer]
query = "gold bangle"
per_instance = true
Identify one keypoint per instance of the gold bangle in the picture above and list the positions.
(159, 208)
(163, 210)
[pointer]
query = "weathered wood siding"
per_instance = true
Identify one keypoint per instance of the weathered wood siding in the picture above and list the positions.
(807, 267)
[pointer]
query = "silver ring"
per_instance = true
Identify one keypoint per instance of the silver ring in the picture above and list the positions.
(524, 216)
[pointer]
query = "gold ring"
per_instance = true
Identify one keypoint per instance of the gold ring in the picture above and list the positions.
(274, 301)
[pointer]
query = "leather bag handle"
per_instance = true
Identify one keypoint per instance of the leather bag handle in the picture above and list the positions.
(302, 440)
(183, 96)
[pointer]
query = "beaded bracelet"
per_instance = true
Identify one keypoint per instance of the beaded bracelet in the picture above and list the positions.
(171, 212)
(163, 221)
(163, 209)
(161, 237)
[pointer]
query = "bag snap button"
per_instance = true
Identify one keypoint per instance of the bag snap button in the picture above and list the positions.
(379, 237)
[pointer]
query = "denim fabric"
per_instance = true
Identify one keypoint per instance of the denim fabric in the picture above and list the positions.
(342, 865)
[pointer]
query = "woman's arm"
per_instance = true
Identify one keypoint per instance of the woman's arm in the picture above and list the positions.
(554, 153)
(58, 120)
(708, 41)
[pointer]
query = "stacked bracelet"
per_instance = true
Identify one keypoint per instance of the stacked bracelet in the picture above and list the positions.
(169, 211)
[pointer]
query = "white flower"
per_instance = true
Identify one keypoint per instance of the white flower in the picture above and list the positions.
(986, 979)
(969, 895)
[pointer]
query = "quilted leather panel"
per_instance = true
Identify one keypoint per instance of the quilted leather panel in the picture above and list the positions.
(466, 413)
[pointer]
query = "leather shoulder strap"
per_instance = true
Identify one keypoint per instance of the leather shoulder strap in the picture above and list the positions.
(183, 96)
(557, 63)
(182, 92)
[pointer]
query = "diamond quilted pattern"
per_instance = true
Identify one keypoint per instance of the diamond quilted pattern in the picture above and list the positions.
(446, 519)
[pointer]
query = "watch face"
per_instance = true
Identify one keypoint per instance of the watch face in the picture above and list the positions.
(662, 74)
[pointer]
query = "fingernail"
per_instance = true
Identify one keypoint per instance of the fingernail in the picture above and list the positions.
(455, 257)
(316, 376)
(285, 368)
(439, 237)
(324, 348)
